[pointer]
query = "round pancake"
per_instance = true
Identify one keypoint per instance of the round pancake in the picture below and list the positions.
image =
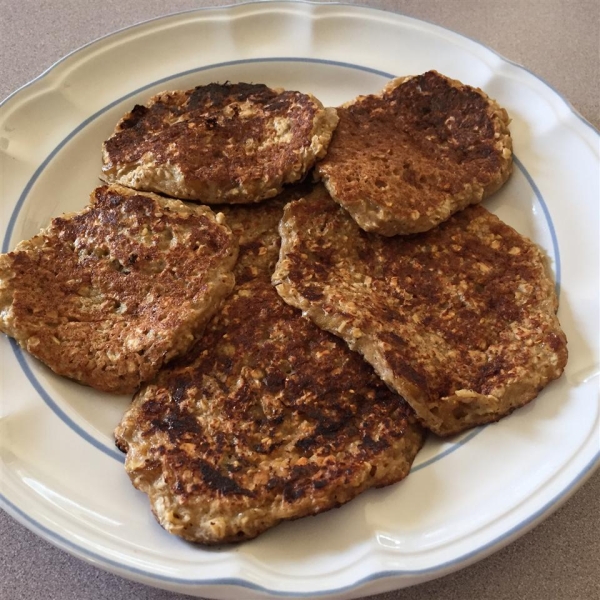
(269, 418)
(274, 419)
(405, 160)
(460, 320)
(106, 296)
(219, 143)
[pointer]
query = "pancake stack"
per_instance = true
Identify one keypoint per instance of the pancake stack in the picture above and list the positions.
(290, 351)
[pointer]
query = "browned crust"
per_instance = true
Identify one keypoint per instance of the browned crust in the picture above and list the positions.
(459, 320)
(219, 143)
(273, 420)
(107, 295)
(268, 419)
(403, 161)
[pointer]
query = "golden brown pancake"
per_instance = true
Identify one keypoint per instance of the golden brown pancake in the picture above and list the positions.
(219, 143)
(108, 295)
(406, 159)
(460, 320)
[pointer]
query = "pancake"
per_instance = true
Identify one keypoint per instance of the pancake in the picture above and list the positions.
(256, 228)
(219, 143)
(404, 160)
(269, 418)
(460, 320)
(107, 295)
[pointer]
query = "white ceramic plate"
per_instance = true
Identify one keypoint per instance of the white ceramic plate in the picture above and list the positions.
(467, 497)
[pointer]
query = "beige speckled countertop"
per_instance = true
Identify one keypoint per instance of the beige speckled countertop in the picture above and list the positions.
(557, 40)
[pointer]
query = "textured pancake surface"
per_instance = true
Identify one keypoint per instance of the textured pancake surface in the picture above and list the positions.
(256, 227)
(219, 143)
(106, 296)
(268, 419)
(405, 160)
(460, 320)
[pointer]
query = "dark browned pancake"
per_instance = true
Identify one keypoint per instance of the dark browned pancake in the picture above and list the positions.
(219, 143)
(106, 296)
(268, 419)
(405, 160)
(460, 320)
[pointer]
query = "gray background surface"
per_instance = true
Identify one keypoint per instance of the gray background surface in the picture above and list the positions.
(557, 40)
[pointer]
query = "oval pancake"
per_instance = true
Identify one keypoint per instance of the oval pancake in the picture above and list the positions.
(219, 143)
(460, 320)
(403, 161)
(106, 296)
(269, 418)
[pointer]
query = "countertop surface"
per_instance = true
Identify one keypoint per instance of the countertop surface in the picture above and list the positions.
(557, 40)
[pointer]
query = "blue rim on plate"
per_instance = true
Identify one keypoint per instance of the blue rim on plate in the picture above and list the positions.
(97, 559)
(233, 581)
